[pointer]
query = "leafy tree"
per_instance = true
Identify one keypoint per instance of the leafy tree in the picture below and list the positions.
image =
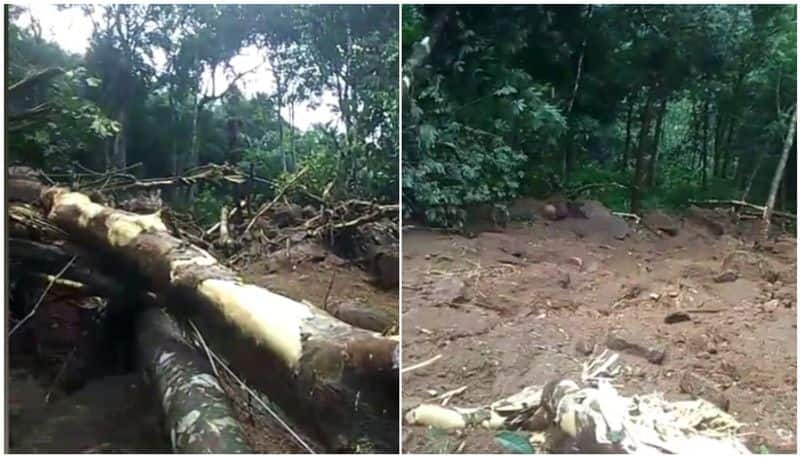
(675, 102)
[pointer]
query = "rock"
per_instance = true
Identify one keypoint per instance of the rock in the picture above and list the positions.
(524, 210)
(770, 275)
(384, 266)
(449, 291)
(654, 296)
(309, 212)
(676, 317)
(287, 216)
(653, 355)
(632, 292)
(584, 347)
(699, 387)
(659, 221)
(705, 218)
(598, 222)
(726, 276)
(484, 218)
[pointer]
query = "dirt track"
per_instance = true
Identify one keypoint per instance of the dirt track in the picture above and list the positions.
(508, 310)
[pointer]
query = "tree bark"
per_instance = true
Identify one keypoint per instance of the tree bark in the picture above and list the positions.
(651, 172)
(636, 189)
(627, 150)
(704, 149)
(752, 177)
(776, 180)
(727, 155)
(569, 158)
(340, 380)
(120, 143)
(197, 415)
(718, 132)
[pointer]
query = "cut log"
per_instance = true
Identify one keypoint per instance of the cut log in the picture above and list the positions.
(741, 204)
(340, 381)
(361, 315)
(196, 412)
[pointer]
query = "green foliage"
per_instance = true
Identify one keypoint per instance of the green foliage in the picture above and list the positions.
(473, 125)
(208, 203)
(563, 90)
(438, 441)
(149, 89)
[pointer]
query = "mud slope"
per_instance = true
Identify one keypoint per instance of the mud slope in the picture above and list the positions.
(511, 309)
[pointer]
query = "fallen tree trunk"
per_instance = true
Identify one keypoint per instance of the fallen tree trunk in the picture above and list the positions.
(742, 204)
(339, 380)
(196, 412)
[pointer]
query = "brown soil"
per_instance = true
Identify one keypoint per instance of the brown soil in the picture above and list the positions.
(115, 413)
(509, 310)
(309, 272)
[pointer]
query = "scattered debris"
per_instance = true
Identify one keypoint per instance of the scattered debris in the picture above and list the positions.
(421, 364)
(594, 417)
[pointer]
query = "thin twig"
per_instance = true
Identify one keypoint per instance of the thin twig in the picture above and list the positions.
(328, 292)
(60, 374)
(255, 396)
(278, 196)
(44, 294)
(421, 364)
(205, 347)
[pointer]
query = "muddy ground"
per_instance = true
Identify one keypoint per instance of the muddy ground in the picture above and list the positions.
(104, 413)
(521, 307)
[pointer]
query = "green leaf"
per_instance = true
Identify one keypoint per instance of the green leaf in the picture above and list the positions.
(505, 90)
(92, 82)
(515, 442)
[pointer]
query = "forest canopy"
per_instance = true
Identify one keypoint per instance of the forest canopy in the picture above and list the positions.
(671, 102)
(157, 92)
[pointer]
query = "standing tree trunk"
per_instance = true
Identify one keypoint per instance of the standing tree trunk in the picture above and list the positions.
(280, 122)
(727, 156)
(569, 158)
(704, 149)
(695, 135)
(636, 188)
(776, 180)
(291, 132)
(651, 172)
(194, 154)
(753, 174)
(719, 130)
(627, 151)
(120, 142)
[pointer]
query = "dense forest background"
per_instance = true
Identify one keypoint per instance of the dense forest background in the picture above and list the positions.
(670, 102)
(140, 99)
